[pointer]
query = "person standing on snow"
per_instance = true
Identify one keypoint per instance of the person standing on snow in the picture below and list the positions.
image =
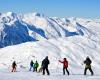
(87, 63)
(31, 65)
(65, 65)
(40, 69)
(45, 64)
(36, 65)
(14, 65)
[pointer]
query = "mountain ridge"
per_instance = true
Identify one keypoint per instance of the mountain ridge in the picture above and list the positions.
(20, 28)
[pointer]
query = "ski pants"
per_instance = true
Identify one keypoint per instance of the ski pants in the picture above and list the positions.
(66, 70)
(31, 67)
(85, 70)
(35, 69)
(46, 68)
(13, 69)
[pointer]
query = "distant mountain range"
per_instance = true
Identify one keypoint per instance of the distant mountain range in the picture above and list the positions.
(20, 28)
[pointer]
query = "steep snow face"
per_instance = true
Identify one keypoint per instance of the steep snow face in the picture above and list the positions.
(53, 27)
(20, 28)
(14, 31)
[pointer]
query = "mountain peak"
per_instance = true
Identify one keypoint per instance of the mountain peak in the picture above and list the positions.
(38, 14)
(11, 14)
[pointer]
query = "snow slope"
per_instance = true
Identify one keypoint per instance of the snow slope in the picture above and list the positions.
(75, 49)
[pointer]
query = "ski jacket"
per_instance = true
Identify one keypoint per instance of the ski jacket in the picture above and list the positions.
(14, 65)
(31, 63)
(87, 61)
(45, 63)
(36, 65)
(65, 63)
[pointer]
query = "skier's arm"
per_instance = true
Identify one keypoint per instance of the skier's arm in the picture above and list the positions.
(61, 61)
(84, 61)
(90, 61)
(48, 62)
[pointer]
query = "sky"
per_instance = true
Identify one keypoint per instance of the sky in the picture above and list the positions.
(57, 8)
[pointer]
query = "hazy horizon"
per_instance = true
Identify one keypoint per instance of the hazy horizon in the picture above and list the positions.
(54, 8)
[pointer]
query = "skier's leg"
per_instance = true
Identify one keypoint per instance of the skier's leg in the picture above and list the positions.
(33, 69)
(85, 71)
(40, 70)
(43, 71)
(30, 68)
(47, 71)
(91, 71)
(36, 69)
(63, 71)
(12, 70)
(67, 71)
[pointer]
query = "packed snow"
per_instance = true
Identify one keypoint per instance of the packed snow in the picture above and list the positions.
(34, 36)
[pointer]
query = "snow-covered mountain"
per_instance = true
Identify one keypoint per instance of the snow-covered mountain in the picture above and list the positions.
(14, 31)
(20, 28)
(74, 38)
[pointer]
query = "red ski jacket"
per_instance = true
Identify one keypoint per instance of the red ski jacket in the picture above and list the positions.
(65, 63)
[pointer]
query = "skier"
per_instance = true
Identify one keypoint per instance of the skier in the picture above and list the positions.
(65, 65)
(87, 63)
(14, 65)
(36, 65)
(45, 64)
(40, 69)
(31, 65)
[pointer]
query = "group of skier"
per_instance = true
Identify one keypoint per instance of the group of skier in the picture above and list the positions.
(44, 66)
(46, 62)
(34, 66)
